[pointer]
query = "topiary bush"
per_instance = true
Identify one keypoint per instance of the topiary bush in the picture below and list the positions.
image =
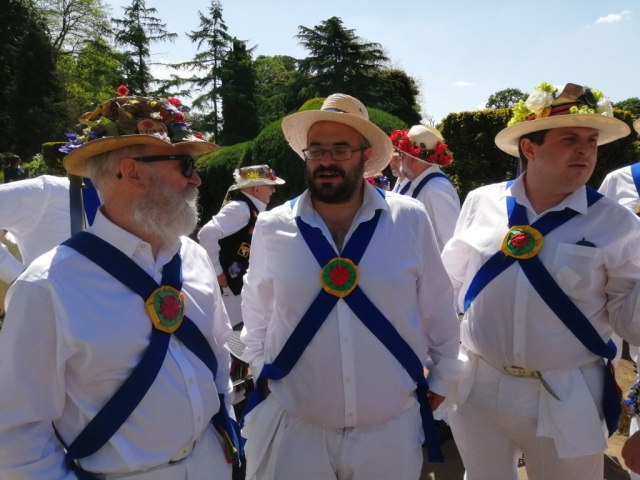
(52, 156)
(313, 104)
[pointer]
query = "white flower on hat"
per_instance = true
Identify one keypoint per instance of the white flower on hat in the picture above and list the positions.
(236, 175)
(604, 107)
(538, 101)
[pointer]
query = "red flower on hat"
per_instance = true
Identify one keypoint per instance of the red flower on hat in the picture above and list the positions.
(123, 91)
(339, 275)
(174, 101)
(170, 307)
(178, 117)
(441, 155)
(164, 114)
(198, 134)
(147, 124)
(403, 143)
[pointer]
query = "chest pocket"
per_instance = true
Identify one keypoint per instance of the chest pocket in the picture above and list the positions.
(577, 267)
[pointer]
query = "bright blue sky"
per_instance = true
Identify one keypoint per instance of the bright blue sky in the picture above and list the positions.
(460, 51)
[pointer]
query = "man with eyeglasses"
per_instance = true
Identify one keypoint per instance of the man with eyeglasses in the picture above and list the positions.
(112, 357)
(339, 356)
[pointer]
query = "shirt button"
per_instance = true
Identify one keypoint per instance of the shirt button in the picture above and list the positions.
(518, 355)
(174, 344)
(345, 340)
(191, 381)
(348, 379)
(199, 419)
(349, 414)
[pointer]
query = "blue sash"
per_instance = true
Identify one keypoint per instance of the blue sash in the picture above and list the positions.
(368, 314)
(426, 180)
(90, 200)
(404, 189)
(553, 295)
(635, 173)
(116, 411)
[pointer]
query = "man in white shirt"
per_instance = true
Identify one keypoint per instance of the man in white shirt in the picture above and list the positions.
(227, 236)
(422, 153)
(112, 358)
(402, 182)
(538, 375)
(325, 303)
(622, 186)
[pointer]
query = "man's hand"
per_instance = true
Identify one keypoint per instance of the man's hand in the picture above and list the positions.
(222, 280)
(434, 399)
(631, 453)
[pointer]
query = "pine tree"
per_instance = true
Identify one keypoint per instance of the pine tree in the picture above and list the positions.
(139, 29)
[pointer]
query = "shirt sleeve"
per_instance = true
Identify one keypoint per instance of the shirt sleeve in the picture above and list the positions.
(22, 203)
(257, 301)
(32, 365)
(231, 218)
(443, 207)
(10, 266)
(439, 321)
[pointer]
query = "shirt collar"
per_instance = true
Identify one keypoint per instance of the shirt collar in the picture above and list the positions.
(576, 201)
(261, 206)
(371, 201)
(125, 241)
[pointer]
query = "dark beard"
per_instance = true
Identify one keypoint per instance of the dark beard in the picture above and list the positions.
(327, 193)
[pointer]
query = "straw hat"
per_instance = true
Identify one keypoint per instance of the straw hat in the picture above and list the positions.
(340, 108)
(424, 143)
(124, 121)
(254, 176)
(575, 106)
(636, 126)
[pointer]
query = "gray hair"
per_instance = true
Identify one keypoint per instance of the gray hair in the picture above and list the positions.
(103, 167)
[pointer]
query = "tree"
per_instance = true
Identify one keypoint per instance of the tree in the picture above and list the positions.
(396, 93)
(139, 29)
(213, 34)
(31, 94)
(339, 60)
(239, 113)
(630, 104)
(506, 98)
(73, 24)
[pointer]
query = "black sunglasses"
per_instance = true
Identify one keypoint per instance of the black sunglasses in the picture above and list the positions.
(186, 162)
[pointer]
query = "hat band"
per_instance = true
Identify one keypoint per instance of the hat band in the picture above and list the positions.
(554, 111)
(333, 110)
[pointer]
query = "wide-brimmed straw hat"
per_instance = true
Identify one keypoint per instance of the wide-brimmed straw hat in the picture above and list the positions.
(574, 106)
(125, 121)
(424, 143)
(340, 108)
(254, 176)
(636, 126)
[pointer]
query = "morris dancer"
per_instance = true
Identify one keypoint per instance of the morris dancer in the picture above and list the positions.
(545, 269)
(339, 326)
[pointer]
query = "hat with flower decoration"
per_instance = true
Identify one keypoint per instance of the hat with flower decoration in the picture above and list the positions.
(340, 108)
(424, 143)
(573, 106)
(123, 121)
(254, 176)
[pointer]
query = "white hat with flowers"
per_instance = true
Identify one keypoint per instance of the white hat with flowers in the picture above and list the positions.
(573, 106)
(254, 176)
(424, 143)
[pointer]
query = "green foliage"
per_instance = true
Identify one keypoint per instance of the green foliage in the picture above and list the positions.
(216, 170)
(476, 159)
(139, 29)
(396, 93)
(52, 157)
(313, 104)
(506, 98)
(631, 104)
(387, 122)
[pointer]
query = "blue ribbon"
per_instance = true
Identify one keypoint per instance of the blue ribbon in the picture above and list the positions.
(635, 174)
(557, 300)
(365, 310)
(426, 180)
(405, 189)
(116, 411)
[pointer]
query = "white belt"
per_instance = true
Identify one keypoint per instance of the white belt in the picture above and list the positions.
(184, 453)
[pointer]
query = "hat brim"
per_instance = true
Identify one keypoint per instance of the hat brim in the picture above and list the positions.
(296, 127)
(76, 161)
(609, 128)
(636, 126)
(256, 183)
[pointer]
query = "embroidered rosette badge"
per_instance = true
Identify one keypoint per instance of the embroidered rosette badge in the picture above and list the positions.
(339, 277)
(165, 306)
(522, 242)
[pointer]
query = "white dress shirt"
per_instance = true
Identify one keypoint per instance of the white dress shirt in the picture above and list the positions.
(72, 336)
(508, 323)
(441, 201)
(231, 218)
(400, 184)
(346, 377)
(36, 212)
(618, 185)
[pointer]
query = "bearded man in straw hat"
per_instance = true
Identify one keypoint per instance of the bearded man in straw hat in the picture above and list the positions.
(112, 355)
(338, 327)
(538, 377)
(227, 236)
(422, 152)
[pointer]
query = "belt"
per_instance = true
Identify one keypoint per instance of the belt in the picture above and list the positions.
(526, 373)
(184, 453)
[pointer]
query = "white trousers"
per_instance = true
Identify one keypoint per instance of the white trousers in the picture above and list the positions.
(498, 422)
(233, 305)
(292, 449)
(206, 462)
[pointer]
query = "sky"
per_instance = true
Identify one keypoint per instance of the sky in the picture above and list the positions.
(459, 51)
